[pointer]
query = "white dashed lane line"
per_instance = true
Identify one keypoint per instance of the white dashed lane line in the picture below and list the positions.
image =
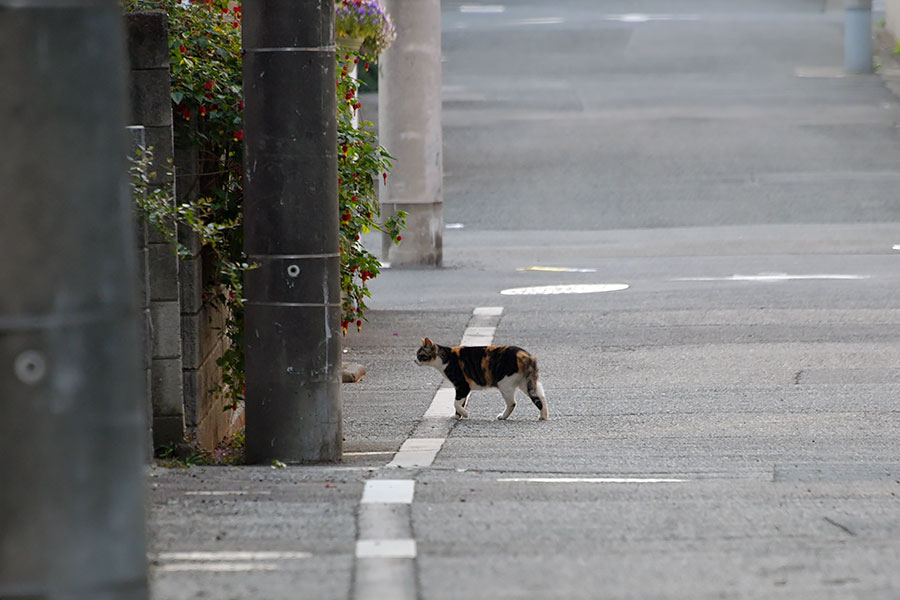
(385, 548)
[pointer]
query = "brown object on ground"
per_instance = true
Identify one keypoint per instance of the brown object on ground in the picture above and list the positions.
(353, 372)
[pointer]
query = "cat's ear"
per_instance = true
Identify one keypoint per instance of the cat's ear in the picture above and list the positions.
(427, 342)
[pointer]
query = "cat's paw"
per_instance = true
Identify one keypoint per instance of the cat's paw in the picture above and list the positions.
(502, 416)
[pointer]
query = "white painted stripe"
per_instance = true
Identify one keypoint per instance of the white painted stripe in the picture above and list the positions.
(591, 480)
(487, 311)
(229, 556)
(539, 21)
(374, 453)
(226, 567)
(484, 9)
(557, 269)
(478, 336)
(226, 493)
(417, 453)
(896, 247)
(386, 548)
(545, 290)
(766, 277)
(389, 491)
(442, 405)
(644, 18)
(454, 226)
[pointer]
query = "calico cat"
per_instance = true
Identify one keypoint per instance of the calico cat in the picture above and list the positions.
(468, 368)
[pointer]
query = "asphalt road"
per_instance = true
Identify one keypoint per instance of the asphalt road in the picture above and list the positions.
(726, 426)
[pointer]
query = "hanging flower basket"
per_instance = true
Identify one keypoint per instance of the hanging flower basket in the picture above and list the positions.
(364, 20)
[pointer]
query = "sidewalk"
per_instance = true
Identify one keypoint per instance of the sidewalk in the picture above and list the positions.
(259, 532)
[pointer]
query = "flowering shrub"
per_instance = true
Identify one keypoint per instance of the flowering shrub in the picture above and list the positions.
(205, 51)
(365, 20)
(361, 165)
(207, 106)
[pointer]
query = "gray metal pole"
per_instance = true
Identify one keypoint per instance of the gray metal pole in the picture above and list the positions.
(409, 127)
(292, 319)
(858, 36)
(73, 431)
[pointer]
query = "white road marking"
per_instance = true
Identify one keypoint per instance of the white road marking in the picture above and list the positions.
(416, 453)
(386, 548)
(767, 277)
(381, 530)
(478, 336)
(372, 453)
(226, 493)
(389, 491)
(442, 405)
(225, 567)
(896, 247)
(229, 555)
(539, 21)
(224, 561)
(546, 290)
(646, 18)
(483, 9)
(454, 226)
(591, 480)
(557, 269)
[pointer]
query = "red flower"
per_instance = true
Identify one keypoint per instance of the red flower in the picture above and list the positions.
(238, 135)
(399, 237)
(209, 85)
(182, 49)
(385, 178)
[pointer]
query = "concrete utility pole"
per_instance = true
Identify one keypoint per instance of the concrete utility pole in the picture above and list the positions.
(858, 36)
(73, 432)
(409, 126)
(292, 327)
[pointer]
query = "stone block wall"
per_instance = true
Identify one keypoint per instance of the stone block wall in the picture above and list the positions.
(202, 323)
(148, 53)
(141, 229)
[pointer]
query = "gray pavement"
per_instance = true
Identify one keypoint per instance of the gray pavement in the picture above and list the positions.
(727, 426)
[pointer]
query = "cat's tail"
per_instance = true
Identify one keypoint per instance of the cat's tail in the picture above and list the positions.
(533, 387)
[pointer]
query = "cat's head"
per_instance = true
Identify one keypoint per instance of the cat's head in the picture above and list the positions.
(427, 354)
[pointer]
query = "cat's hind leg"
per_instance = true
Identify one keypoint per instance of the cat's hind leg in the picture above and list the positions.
(535, 391)
(508, 390)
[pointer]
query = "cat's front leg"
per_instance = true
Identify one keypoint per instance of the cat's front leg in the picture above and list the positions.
(509, 395)
(459, 404)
